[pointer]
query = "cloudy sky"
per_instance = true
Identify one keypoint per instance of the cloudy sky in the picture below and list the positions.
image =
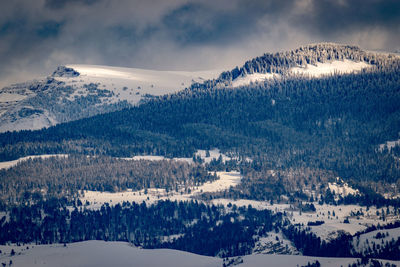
(36, 36)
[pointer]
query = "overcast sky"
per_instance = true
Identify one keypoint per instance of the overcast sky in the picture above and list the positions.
(38, 35)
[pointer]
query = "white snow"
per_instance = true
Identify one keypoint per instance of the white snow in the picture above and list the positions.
(275, 243)
(329, 68)
(341, 188)
(9, 164)
(253, 78)
(360, 244)
(7, 97)
(96, 253)
(146, 157)
(389, 145)
(120, 84)
(225, 181)
(359, 217)
(296, 260)
(33, 122)
(213, 154)
(101, 253)
(132, 83)
(97, 199)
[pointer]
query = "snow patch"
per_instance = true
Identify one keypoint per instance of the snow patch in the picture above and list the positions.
(152, 195)
(7, 97)
(12, 163)
(341, 188)
(253, 78)
(389, 145)
(329, 68)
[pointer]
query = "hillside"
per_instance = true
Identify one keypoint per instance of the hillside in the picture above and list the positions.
(304, 162)
(78, 91)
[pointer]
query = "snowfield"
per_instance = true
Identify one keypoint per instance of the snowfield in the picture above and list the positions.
(318, 70)
(97, 199)
(106, 88)
(101, 253)
(131, 84)
(118, 254)
(329, 68)
(7, 97)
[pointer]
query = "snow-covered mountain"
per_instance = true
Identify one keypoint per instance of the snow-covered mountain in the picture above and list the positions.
(310, 61)
(78, 91)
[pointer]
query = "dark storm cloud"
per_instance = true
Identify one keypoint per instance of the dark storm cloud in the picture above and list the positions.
(55, 4)
(36, 36)
(329, 17)
(200, 22)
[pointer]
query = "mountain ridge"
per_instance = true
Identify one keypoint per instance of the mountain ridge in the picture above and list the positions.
(78, 91)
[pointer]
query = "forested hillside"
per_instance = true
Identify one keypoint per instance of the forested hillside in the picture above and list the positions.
(334, 123)
(307, 144)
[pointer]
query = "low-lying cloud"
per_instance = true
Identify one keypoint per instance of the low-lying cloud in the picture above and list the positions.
(36, 36)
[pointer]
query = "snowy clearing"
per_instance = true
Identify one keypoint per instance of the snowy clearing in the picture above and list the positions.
(253, 78)
(359, 218)
(342, 189)
(329, 68)
(275, 243)
(296, 260)
(12, 163)
(361, 244)
(97, 199)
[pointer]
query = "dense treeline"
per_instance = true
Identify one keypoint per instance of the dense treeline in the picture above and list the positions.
(189, 226)
(281, 62)
(67, 176)
(332, 125)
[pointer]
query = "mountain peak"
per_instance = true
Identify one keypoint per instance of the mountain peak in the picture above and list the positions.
(63, 71)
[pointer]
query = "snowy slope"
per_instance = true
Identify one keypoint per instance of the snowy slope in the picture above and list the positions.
(12, 163)
(131, 84)
(78, 91)
(118, 254)
(101, 253)
(330, 68)
(315, 71)
(374, 238)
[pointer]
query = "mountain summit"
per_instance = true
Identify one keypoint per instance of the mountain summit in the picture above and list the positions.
(77, 91)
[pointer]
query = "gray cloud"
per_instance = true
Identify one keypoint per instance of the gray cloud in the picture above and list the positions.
(36, 36)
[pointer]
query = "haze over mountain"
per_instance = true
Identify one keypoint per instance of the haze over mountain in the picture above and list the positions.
(36, 37)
